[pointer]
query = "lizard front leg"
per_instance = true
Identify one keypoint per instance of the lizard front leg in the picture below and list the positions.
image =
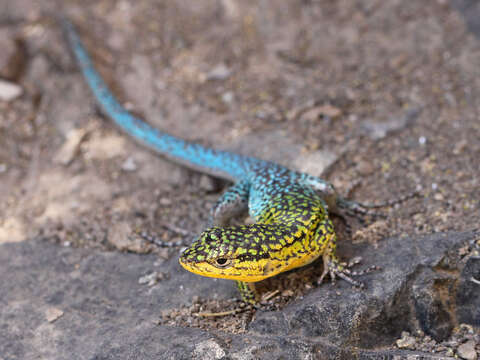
(232, 203)
(248, 292)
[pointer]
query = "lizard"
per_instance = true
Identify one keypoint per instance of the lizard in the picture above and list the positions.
(291, 209)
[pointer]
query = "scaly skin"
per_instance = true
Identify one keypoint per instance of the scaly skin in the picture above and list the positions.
(292, 226)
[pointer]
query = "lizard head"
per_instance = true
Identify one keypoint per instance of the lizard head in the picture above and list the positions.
(234, 253)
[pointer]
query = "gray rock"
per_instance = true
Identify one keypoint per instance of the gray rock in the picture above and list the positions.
(107, 314)
(468, 293)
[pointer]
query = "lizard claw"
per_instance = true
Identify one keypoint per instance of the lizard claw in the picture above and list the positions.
(335, 268)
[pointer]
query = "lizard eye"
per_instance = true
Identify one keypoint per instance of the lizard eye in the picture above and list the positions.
(222, 262)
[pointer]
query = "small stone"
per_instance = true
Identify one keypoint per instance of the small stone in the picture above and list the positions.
(165, 201)
(208, 349)
(325, 110)
(365, 168)
(149, 279)
(207, 183)
(3, 168)
(52, 314)
(406, 342)
(129, 164)
(12, 54)
(228, 97)
(219, 72)
(378, 131)
(449, 352)
(287, 293)
(460, 147)
(467, 351)
(315, 162)
(70, 147)
(9, 91)
(120, 236)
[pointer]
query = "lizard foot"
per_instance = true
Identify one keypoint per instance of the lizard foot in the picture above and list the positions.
(334, 268)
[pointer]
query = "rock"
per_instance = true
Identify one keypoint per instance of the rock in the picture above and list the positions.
(207, 184)
(149, 279)
(406, 342)
(219, 72)
(129, 165)
(121, 236)
(322, 111)
(107, 314)
(228, 97)
(467, 351)
(378, 131)
(9, 91)
(315, 162)
(12, 55)
(207, 350)
(264, 145)
(53, 314)
(70, 147)
(12, 229)
(411, 293)
(468, 294)
(433, 316)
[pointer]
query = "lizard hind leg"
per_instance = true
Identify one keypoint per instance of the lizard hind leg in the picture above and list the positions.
(341, 206)
(233, 202)
(334, 268)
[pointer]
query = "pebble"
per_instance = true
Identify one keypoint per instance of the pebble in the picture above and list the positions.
(325, 110)
(129, 164)
(149, 280)
(70, 147)
(12, 55)
(365, 168)
(467, 351)
(53, 314)
(9, 91)
(378, 131)
(207, 183)
(406, 342)
(219, 72)
(228, 97)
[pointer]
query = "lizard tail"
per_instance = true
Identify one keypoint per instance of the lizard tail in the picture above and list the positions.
(214, 162)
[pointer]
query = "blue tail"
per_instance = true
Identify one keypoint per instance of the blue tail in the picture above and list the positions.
(218, 163)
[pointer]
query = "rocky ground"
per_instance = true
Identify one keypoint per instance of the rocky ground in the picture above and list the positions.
(381, 98)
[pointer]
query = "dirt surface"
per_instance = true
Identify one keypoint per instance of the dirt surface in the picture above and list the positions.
(383, 94)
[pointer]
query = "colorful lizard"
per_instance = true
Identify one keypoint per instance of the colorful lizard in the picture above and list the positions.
(292, 225)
